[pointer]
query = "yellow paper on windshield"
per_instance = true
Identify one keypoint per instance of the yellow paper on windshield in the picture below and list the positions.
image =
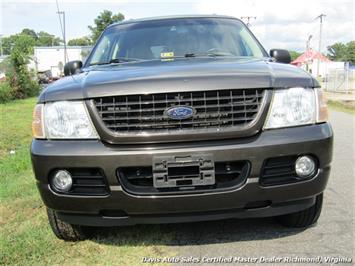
(167, 55)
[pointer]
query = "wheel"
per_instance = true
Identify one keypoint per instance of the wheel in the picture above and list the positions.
(303, 218)
(64, 230)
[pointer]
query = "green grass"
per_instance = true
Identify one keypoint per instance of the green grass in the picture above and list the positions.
(347, 107)
(25, 236)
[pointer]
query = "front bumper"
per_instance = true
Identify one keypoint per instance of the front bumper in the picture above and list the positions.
(132, 209)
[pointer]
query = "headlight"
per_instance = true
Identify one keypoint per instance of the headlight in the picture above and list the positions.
(295, 107)
(64, 120)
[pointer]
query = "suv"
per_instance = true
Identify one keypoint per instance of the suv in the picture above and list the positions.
(180, 119)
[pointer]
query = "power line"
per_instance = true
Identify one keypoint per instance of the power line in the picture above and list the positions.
(60, 19)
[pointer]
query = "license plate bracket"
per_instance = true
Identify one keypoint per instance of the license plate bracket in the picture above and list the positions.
(183, 171)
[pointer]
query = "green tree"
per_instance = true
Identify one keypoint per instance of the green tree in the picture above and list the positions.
(351, 52)
(337, 52)
(46, 39)
(7, 43)
(40, 39)
(30, 33)
(102, 21)
(294, 55)
(342, 52)
(83, 41)
(19, 77)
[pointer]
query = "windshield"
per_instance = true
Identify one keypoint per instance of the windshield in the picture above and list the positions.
(188, 37)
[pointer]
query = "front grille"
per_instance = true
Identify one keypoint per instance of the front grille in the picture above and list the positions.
(280, 170)
(212, 109)
(139, 180)
(87, 182)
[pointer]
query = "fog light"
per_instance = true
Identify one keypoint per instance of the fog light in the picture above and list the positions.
(305, 166)
(62, 181)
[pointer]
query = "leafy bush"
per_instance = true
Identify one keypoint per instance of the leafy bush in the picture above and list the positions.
(19, 77)
(5, 92)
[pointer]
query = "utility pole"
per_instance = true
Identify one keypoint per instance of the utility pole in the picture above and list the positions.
(308, 42)
(63, 32)
(62, 27)
(248, 18)
(320, 39)
(1, 52)
(307, 48)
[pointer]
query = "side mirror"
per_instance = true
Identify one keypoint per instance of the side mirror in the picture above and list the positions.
(281, 55)
(72, 67)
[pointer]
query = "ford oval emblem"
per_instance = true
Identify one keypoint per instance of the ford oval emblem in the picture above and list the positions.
(180, 112)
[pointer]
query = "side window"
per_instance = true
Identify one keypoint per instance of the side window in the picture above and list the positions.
(246, 48)
(102, 51)
(116, 50)
(250, 44)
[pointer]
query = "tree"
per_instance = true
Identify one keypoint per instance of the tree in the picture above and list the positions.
(294, 55)
(103, 20)
(351, 52)
(40, 39)
(342, 52)
(30, 32)
(46, 39)
(337, 52)
(7, 43)
(20, 79)
(83, 41)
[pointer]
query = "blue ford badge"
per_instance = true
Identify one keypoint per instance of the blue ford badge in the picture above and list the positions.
(180, 112)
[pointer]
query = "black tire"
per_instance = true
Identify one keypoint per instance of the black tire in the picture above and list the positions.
(64, 230)
(303, 218)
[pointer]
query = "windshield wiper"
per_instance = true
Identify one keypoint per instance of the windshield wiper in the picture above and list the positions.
(116, 61)
(211, 54)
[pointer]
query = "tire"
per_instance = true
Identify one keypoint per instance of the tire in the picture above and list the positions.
(64, 230)
(303, 218)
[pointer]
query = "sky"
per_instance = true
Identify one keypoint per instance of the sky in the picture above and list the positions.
(278, 24)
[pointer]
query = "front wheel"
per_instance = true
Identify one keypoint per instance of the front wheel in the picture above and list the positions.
(64, 230)
(303, 218)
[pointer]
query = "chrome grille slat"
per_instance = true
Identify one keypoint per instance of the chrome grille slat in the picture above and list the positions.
(164, 108)
(143, 118)
(146, 113)
(164, 101)
(205, 121)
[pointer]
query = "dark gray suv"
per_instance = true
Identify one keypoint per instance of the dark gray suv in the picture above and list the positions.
(180, 119)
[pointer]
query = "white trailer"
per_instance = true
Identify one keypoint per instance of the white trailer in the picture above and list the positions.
(52, 58)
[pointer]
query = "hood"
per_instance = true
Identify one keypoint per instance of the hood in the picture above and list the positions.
(190, 74)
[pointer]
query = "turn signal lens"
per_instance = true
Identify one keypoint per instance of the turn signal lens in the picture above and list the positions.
(37, 122)
(322, 114)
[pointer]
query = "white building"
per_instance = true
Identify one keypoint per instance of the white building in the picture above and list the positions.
(52, 58)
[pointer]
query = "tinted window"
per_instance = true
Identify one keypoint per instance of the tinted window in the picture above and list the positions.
(177, 37)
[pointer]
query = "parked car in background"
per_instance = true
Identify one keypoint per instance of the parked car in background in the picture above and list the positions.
(180, 119)
(44, 77)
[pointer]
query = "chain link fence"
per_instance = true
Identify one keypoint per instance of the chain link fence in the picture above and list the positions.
(340, 79)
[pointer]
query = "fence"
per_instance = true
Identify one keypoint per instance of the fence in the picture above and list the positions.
(340, 79)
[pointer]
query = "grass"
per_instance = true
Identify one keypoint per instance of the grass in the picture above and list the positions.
(25, 236)
(343, 106)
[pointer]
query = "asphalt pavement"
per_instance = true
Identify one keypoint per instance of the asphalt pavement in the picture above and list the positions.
(263, 240)
(332, 237)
